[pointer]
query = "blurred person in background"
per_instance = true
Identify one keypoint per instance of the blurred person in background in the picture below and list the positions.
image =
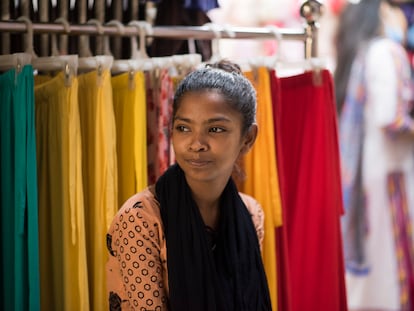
(376, 135)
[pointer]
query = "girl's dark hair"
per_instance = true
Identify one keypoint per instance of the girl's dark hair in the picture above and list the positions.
(358, 23)
(227, 79)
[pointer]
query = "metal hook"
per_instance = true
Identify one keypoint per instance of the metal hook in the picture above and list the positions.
(98, 25)
(279, 39)
(215, 47)
(227, 29)
(121, 30)
(144, 29)
(54, 45)
(29, 38)
(65, 23)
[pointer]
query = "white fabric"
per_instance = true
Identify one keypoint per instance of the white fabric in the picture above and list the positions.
(384, 152)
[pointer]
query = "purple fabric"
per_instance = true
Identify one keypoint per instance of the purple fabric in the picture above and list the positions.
(204, 5)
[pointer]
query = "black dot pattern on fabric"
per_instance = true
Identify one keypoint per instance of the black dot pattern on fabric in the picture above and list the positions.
(135, 243)
(137, 266)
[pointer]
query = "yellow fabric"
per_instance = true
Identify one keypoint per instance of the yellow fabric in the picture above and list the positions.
(131, 133)
(259, 162)
(63, 269)
(99, 175)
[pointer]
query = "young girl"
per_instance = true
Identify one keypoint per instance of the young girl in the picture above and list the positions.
(192, 241)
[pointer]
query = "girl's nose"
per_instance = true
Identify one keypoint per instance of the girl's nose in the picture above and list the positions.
(198, 143)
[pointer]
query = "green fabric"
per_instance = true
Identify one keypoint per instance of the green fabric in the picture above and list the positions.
(19, 207)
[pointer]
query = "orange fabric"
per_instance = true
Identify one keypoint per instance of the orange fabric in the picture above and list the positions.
(260, 161)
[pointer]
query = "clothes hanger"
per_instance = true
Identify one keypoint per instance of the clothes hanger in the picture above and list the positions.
(55, 63)
(53, 43)
(15, 61)
(121, 30)
(97, 62)
(266, 61)
(19, 60)
(139, 60)
(184, 63)
(144, 29)
(215, 43)
(314, 65)
(100, 63)
(285, 67)
(66, 63)
(29, 36)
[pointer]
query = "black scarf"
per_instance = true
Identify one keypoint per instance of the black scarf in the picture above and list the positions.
(230, 277)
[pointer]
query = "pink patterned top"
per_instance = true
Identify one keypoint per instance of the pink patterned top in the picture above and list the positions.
(137, 275)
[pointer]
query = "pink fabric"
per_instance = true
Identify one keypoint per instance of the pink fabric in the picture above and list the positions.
(160, 92)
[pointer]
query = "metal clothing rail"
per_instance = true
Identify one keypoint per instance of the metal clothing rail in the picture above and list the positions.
(310, 10)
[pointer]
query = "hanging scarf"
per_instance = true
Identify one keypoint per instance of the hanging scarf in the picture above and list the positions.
(229, 276)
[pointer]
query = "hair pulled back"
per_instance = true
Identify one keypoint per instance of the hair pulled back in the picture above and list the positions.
(227, 79)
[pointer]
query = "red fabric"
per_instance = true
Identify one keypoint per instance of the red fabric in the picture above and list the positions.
(283, 284)
(308, 152)
(336, 6)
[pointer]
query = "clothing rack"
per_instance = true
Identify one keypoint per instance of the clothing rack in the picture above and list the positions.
(310, 10)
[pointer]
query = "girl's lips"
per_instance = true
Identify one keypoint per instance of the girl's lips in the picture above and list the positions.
(198, 163)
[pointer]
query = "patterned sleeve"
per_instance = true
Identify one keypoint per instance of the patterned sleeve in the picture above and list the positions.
(257, 213)
(135, 268)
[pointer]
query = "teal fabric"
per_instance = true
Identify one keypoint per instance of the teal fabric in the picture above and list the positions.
(20, 289)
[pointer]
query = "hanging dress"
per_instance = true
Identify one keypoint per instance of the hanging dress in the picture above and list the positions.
(129, 102)
(160, 92)
(18, 194)
(63, 269)
(312, 196)
(99, 174)
(260, 161)
(283, 283)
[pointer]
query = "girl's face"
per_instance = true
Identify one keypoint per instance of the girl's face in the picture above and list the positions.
(207, 136)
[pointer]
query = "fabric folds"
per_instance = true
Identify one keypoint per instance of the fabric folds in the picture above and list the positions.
(100, 174)
(19, 275)
(131, 133)
(259, 161)
(307, 130)
(201, 278)
(63, 267)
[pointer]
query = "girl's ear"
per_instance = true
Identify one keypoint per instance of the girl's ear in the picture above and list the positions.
(249, 139)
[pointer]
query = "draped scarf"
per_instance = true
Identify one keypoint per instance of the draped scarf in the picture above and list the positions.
(230, 277)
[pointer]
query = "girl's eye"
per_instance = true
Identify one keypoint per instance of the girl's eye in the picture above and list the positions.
(216, 130)
(181, 128)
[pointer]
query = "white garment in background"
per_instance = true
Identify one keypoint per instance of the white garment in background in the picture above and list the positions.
(382, 153)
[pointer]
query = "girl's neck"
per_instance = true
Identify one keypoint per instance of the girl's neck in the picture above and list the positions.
(207, 198)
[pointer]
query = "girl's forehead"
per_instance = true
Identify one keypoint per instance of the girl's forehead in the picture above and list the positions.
(205, 105)
(214, 93)
(203, 99)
